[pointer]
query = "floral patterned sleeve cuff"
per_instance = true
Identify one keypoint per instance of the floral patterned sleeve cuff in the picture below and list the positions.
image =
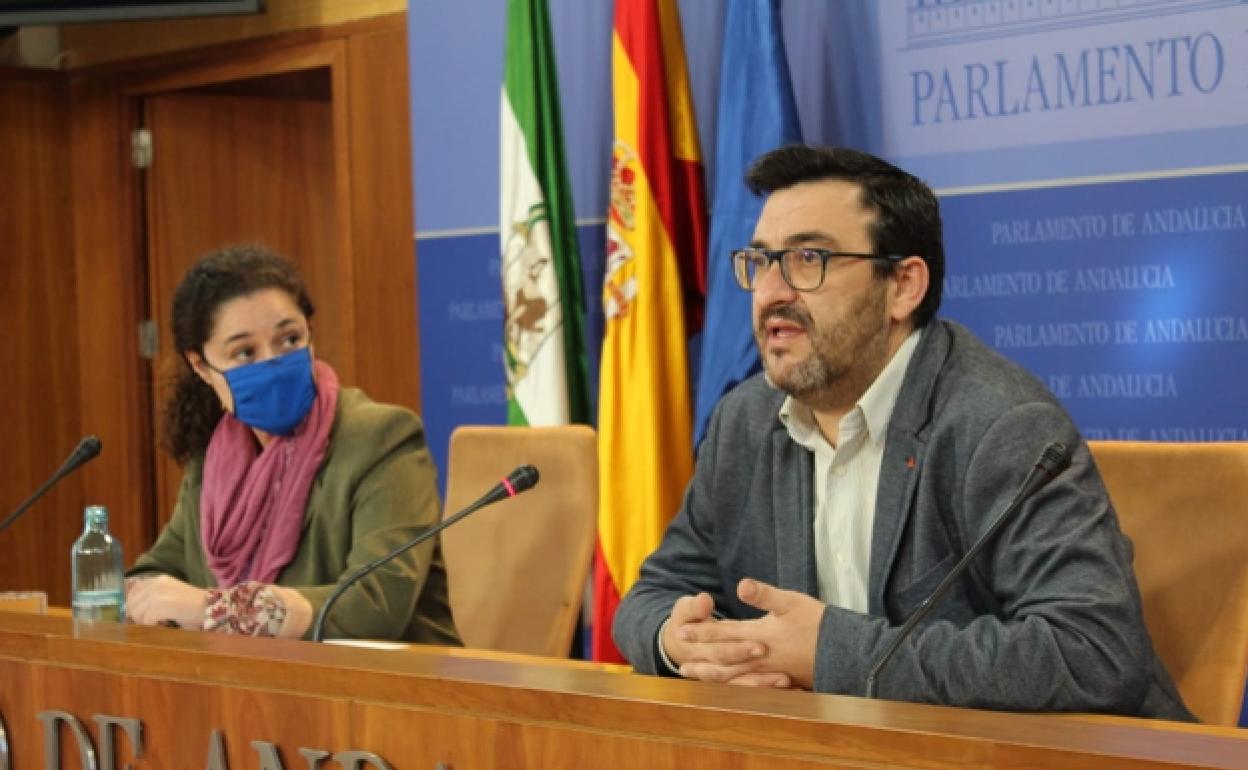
(250, 608)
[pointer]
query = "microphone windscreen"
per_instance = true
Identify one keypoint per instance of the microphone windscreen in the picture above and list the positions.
(1054, 459)
(87, 448)
(523, 478)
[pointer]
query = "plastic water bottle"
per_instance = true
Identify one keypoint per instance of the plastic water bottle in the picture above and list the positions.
(96, 560)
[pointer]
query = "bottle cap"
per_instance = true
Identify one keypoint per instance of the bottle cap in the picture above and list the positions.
(96, 514)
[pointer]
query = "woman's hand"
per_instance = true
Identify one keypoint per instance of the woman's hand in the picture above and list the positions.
(163, 600)
(298, 612)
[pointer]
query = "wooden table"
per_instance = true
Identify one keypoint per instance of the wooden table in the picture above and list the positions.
(265, 703)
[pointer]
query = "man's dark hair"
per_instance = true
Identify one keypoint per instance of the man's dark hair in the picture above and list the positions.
(907, 215)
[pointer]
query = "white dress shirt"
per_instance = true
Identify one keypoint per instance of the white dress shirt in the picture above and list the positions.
(846, 480)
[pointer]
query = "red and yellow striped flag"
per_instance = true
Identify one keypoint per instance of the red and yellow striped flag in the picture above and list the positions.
(653, 294)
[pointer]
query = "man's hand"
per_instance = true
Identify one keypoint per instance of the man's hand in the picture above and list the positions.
(788, 634)
(158, 600)
(726, 659)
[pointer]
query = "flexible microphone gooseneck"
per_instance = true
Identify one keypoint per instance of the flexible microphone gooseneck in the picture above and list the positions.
(520, 480)
(1053, 460)
(87, 449)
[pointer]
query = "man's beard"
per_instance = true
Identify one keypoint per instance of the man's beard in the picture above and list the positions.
(841, 354)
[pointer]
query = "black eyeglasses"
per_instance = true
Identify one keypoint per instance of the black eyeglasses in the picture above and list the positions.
(803, 269)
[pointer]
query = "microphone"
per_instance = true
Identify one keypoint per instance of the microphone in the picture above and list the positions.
(1053, 460)
(522, 479)
(87, 449)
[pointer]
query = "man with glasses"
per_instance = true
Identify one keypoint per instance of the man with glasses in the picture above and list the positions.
(835, 490)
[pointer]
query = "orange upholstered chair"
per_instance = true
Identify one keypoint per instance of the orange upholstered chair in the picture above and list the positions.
(517, 569)
(1185, 506)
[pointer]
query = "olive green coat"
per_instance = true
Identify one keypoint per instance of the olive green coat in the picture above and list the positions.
(376, 489)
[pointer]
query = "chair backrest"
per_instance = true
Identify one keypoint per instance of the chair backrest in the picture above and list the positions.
(1185, 507)
(517, 569)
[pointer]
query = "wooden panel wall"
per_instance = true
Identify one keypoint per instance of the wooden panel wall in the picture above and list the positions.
(88, 44)
(73, 283)
(39, 409)
(375, 267)
(382, 219)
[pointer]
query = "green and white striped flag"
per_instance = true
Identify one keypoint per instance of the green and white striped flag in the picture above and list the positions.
(544, 338)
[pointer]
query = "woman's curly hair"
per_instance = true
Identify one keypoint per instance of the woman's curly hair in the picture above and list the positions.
(192, 411)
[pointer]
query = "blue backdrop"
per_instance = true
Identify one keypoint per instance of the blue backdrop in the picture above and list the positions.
(1089, 154)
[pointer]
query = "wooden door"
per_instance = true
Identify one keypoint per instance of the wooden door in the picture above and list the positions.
(245, 162)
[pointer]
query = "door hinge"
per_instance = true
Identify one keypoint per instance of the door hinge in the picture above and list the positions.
(141, 148)
(149, 339)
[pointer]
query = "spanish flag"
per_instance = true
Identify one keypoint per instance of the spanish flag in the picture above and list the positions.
(653, 293)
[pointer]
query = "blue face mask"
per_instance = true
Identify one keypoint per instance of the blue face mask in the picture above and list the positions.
(273, 395)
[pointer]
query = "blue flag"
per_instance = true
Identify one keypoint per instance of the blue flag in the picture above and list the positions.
(756, 114)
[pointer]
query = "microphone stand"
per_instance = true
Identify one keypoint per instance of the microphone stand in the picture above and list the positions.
(1053, 460)
(86, 450)
(520, 480)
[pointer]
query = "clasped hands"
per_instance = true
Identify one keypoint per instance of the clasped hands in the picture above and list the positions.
(776, 650)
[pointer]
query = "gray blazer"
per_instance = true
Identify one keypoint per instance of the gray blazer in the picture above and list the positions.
(1047, 618)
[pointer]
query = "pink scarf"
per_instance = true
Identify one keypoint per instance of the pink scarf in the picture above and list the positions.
(252, 502)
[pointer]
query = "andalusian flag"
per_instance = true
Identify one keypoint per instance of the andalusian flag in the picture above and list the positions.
(544, 346)
(652, 298)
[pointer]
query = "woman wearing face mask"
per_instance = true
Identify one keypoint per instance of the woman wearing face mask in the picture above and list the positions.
(291, 482)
